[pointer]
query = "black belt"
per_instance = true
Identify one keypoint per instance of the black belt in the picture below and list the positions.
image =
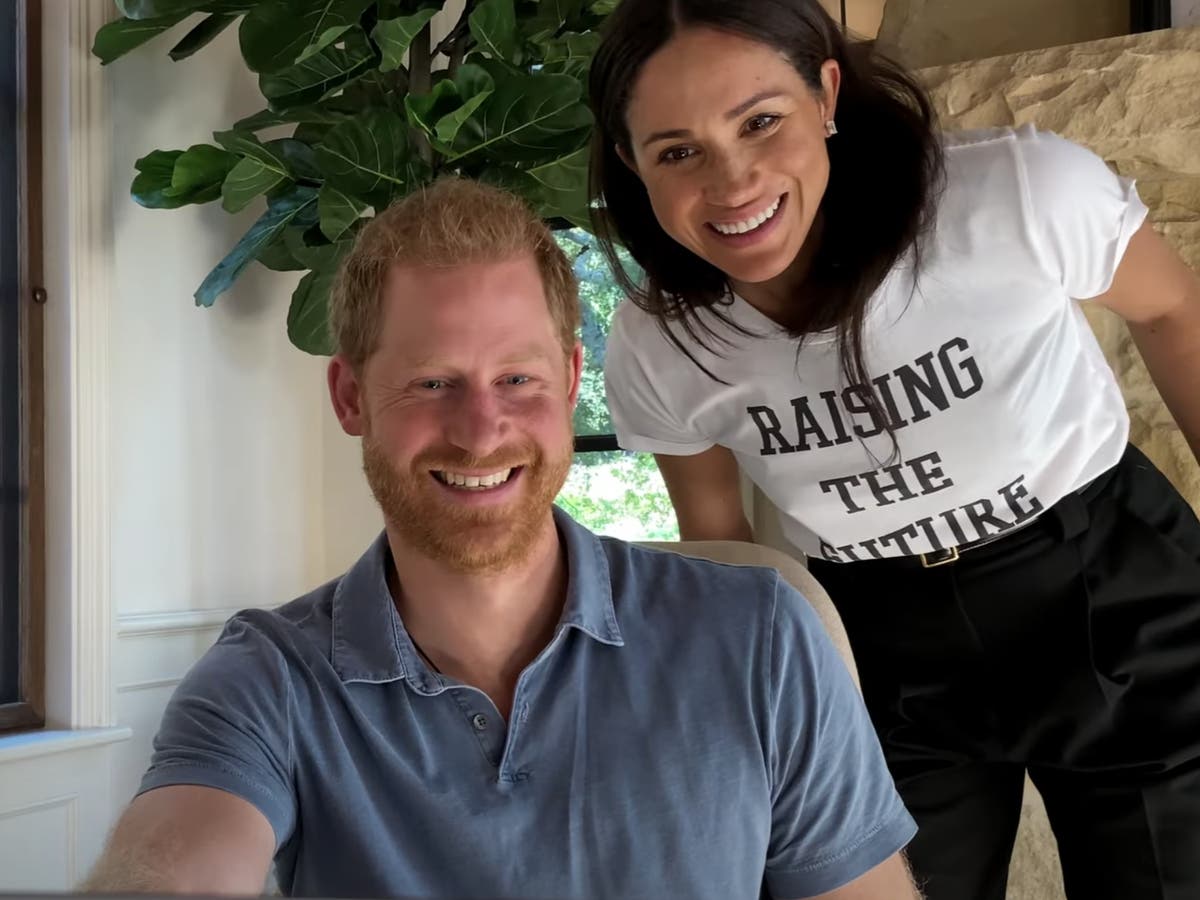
(1063, 509)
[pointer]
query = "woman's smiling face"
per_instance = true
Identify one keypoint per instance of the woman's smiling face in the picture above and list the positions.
(729, 141)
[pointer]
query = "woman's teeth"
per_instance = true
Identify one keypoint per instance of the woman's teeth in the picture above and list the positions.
(474, 482)
(751, 223)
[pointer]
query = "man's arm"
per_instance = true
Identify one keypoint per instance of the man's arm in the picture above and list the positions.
(186, 840)
(890, 880)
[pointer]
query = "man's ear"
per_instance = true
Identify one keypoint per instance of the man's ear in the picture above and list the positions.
(346, 393)
(575, 364)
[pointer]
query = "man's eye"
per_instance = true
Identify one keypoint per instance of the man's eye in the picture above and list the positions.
(433, 384)
(516, 379)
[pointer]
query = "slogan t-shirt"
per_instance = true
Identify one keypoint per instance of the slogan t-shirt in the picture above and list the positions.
(993, 384)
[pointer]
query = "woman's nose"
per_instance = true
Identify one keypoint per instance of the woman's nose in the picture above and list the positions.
(733, 180)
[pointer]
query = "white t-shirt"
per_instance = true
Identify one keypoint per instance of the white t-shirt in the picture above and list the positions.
(1000, 397)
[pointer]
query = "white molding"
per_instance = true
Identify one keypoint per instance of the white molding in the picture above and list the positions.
(153, 684)
(77, 162)
(40, 806)
(69, 802)
(40, 744)
(162, 623)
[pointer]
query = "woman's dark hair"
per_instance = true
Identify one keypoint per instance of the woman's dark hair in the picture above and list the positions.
(885, 171)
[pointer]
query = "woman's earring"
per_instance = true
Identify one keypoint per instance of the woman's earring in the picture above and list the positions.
(830, 128)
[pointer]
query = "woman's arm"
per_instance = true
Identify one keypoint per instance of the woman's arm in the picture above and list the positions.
(706, 492)
(1156, 293)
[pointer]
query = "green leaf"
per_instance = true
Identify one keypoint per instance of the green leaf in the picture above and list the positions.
(320, 75)
(248, 179)
(527, 119)
(278, 257)
(199, 173)
(551, 17)
(442, 112)
(285, 156)
(448, 126)
(563, 188)
(494, 27)
(277, 34)
(366, 153)
(299, 158)
(571, 54)
(308, 315)
(202, 35)
(395, 36)
(150, 185)
(269, 118)
(424, 110)
(338, 211)
(247, 144)
(605, 7)
(117, 38)
(282, 210)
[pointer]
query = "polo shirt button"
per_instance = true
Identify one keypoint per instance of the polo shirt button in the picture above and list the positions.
(480, 722)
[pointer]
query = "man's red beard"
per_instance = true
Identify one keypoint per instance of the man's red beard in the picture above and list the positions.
(465, 538)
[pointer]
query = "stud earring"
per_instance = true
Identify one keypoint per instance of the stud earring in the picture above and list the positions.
(830, 128)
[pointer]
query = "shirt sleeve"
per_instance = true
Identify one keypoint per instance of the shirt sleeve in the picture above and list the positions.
(228, 726)
(835, 813)
(1082, 213)
(639, 403)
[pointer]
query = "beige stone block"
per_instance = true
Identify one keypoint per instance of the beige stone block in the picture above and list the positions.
(934, 32)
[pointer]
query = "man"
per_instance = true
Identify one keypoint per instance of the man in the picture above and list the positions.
(493, 702)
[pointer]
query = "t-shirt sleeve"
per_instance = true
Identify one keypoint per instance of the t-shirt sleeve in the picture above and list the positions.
(835, 810)
(1082, 213)
(228, 726)
(644, 415)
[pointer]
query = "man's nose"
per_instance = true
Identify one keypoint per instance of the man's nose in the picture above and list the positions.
(478, 423)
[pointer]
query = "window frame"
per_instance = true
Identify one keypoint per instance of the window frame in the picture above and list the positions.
(29, 710)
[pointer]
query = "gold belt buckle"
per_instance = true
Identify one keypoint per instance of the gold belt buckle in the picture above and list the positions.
(939, 558)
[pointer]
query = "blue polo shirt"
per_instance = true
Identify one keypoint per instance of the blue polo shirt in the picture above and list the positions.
(688, 731)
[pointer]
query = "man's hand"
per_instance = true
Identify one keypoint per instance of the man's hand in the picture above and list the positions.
(186, 840)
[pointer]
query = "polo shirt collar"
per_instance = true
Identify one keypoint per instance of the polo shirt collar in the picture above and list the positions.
(371, 645)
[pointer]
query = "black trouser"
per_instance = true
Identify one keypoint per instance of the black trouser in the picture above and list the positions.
(1069, 649)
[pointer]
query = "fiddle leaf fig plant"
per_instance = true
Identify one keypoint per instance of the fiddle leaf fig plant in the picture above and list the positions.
(362, 107)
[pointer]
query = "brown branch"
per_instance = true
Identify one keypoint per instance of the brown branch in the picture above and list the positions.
(420, 81)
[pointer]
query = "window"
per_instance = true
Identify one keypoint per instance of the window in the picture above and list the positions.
(21, 582)
(609, 490)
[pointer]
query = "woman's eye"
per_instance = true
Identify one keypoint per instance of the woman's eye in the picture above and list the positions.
(761, 123)
(676, 155)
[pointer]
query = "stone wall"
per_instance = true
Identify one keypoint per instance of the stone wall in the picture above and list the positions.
(1134, 100)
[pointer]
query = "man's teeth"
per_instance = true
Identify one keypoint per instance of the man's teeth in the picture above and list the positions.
(749, 224)
(474, 482)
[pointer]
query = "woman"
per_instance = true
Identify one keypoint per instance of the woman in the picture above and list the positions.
(878, 324)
